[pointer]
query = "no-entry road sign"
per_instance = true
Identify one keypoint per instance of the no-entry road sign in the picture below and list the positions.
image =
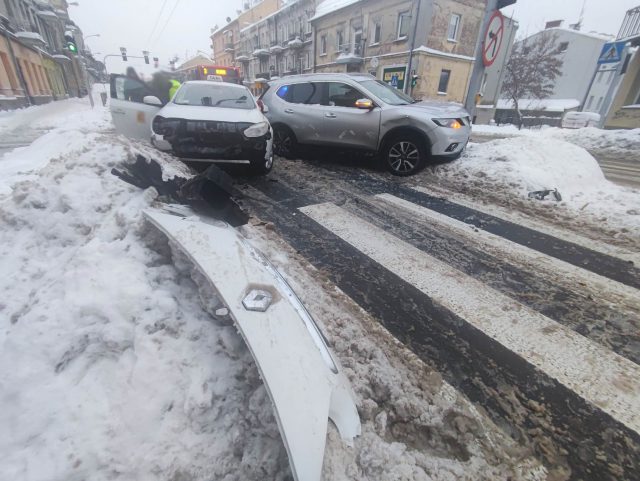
(493, 39)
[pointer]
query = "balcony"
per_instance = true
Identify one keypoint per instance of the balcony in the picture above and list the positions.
(295, 43)
(276, 48)
(261, 52)
(229, 47)
(243, 57)
(630, 30)
(30, 38)
(350, 53)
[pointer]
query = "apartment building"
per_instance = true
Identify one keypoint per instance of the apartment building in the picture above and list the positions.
(35, 68)
(396, 39)
(279, 44)
(225, 41)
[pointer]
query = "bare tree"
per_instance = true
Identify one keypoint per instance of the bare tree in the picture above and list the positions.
(532, 70)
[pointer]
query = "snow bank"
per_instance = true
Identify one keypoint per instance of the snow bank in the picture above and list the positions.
(109, 366)
(519, 165)
(589, 138)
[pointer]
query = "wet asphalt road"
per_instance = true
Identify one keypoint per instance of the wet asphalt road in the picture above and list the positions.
(567, 432)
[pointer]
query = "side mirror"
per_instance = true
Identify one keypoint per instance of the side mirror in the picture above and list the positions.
(365, 104)
(152, 100)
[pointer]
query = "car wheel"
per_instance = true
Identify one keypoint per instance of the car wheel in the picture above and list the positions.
(261, 166)
(404, 155)
(284, 142)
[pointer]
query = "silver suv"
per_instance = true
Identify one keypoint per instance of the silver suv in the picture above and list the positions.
(357, 111)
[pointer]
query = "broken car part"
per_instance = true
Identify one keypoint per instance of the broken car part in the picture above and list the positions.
(302, 378)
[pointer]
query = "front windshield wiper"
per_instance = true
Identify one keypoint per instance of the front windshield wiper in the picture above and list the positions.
(237, 100)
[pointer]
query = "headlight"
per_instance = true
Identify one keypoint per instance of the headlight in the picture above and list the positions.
(449, 123)
(164, 127)
(257, 130)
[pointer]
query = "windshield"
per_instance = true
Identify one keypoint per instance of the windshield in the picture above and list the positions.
(214, 95)
(387, 94)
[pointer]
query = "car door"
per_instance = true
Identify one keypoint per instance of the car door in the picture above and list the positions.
(302, 111)
(345, 124)
(131, 117)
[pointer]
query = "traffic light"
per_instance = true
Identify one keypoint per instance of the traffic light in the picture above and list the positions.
(123, 51)
(145, 54)
(70, 42)
(156, 62)
(414, 80)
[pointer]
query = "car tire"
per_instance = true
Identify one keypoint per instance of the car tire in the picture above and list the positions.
(285, 143)
(261, 166)
(404, 155)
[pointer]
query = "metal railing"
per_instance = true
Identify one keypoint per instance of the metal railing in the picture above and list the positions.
(631, 25)
(355, 49)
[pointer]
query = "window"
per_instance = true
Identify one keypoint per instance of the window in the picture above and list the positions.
(590, 102)
(323, 45)
(454, 26)
(343, 95)
(443, 86)
(130, 89)
(563, 47)
(7, 67)
(403, 25)
(214, 95)
(599, 103)
(309, 93)
(377, 33)
(386, 93)
(339, 40)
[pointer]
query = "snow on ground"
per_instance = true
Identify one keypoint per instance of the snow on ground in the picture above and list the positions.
(515, 166)
(112, 368)
(589, 138)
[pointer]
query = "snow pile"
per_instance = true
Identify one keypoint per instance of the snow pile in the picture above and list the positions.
(519, 165)
(589, 138)
(109, 366)
(592, 138)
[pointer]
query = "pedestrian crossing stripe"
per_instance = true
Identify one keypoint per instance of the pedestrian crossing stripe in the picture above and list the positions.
(601, 377)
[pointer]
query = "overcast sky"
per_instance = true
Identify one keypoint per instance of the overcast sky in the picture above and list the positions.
(183, 26)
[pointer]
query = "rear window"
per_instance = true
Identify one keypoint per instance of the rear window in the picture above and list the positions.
(215, 95)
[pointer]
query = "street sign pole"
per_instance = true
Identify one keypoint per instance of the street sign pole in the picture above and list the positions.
(613, 86)
(475, 83)
(611, 52)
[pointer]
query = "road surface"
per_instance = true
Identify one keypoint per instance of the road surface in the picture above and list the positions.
(538, 331)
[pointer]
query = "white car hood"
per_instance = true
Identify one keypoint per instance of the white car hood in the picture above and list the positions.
(197, 112)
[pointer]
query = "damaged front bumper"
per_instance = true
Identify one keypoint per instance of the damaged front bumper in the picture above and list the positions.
(302, 377)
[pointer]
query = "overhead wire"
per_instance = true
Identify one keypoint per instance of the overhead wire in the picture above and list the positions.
(167, 22)
(155, 25)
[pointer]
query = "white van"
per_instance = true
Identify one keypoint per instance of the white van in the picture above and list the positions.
(578, 120)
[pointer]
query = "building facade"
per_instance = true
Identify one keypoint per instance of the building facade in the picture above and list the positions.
(395, 40)
(35, 68)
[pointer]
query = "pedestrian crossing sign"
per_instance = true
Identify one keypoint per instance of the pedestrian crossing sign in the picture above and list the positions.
(611, 52)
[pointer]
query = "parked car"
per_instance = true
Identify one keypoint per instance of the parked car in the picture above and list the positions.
(579, 120)
(204, 122)
(357, 111)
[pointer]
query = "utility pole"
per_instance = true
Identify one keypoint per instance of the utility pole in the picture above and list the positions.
(478, 66)
(407, 76)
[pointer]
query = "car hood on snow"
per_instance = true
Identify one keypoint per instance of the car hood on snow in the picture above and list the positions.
(216, 114)
(440, 109)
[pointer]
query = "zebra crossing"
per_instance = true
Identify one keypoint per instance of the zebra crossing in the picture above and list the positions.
(542, 333)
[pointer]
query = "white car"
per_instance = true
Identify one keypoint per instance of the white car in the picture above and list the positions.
(204, 122)
(579, 120)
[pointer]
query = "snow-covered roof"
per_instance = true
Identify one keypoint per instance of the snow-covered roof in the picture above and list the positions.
(330, 6)
(598, 36)
(271, 15)
(550, 105)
